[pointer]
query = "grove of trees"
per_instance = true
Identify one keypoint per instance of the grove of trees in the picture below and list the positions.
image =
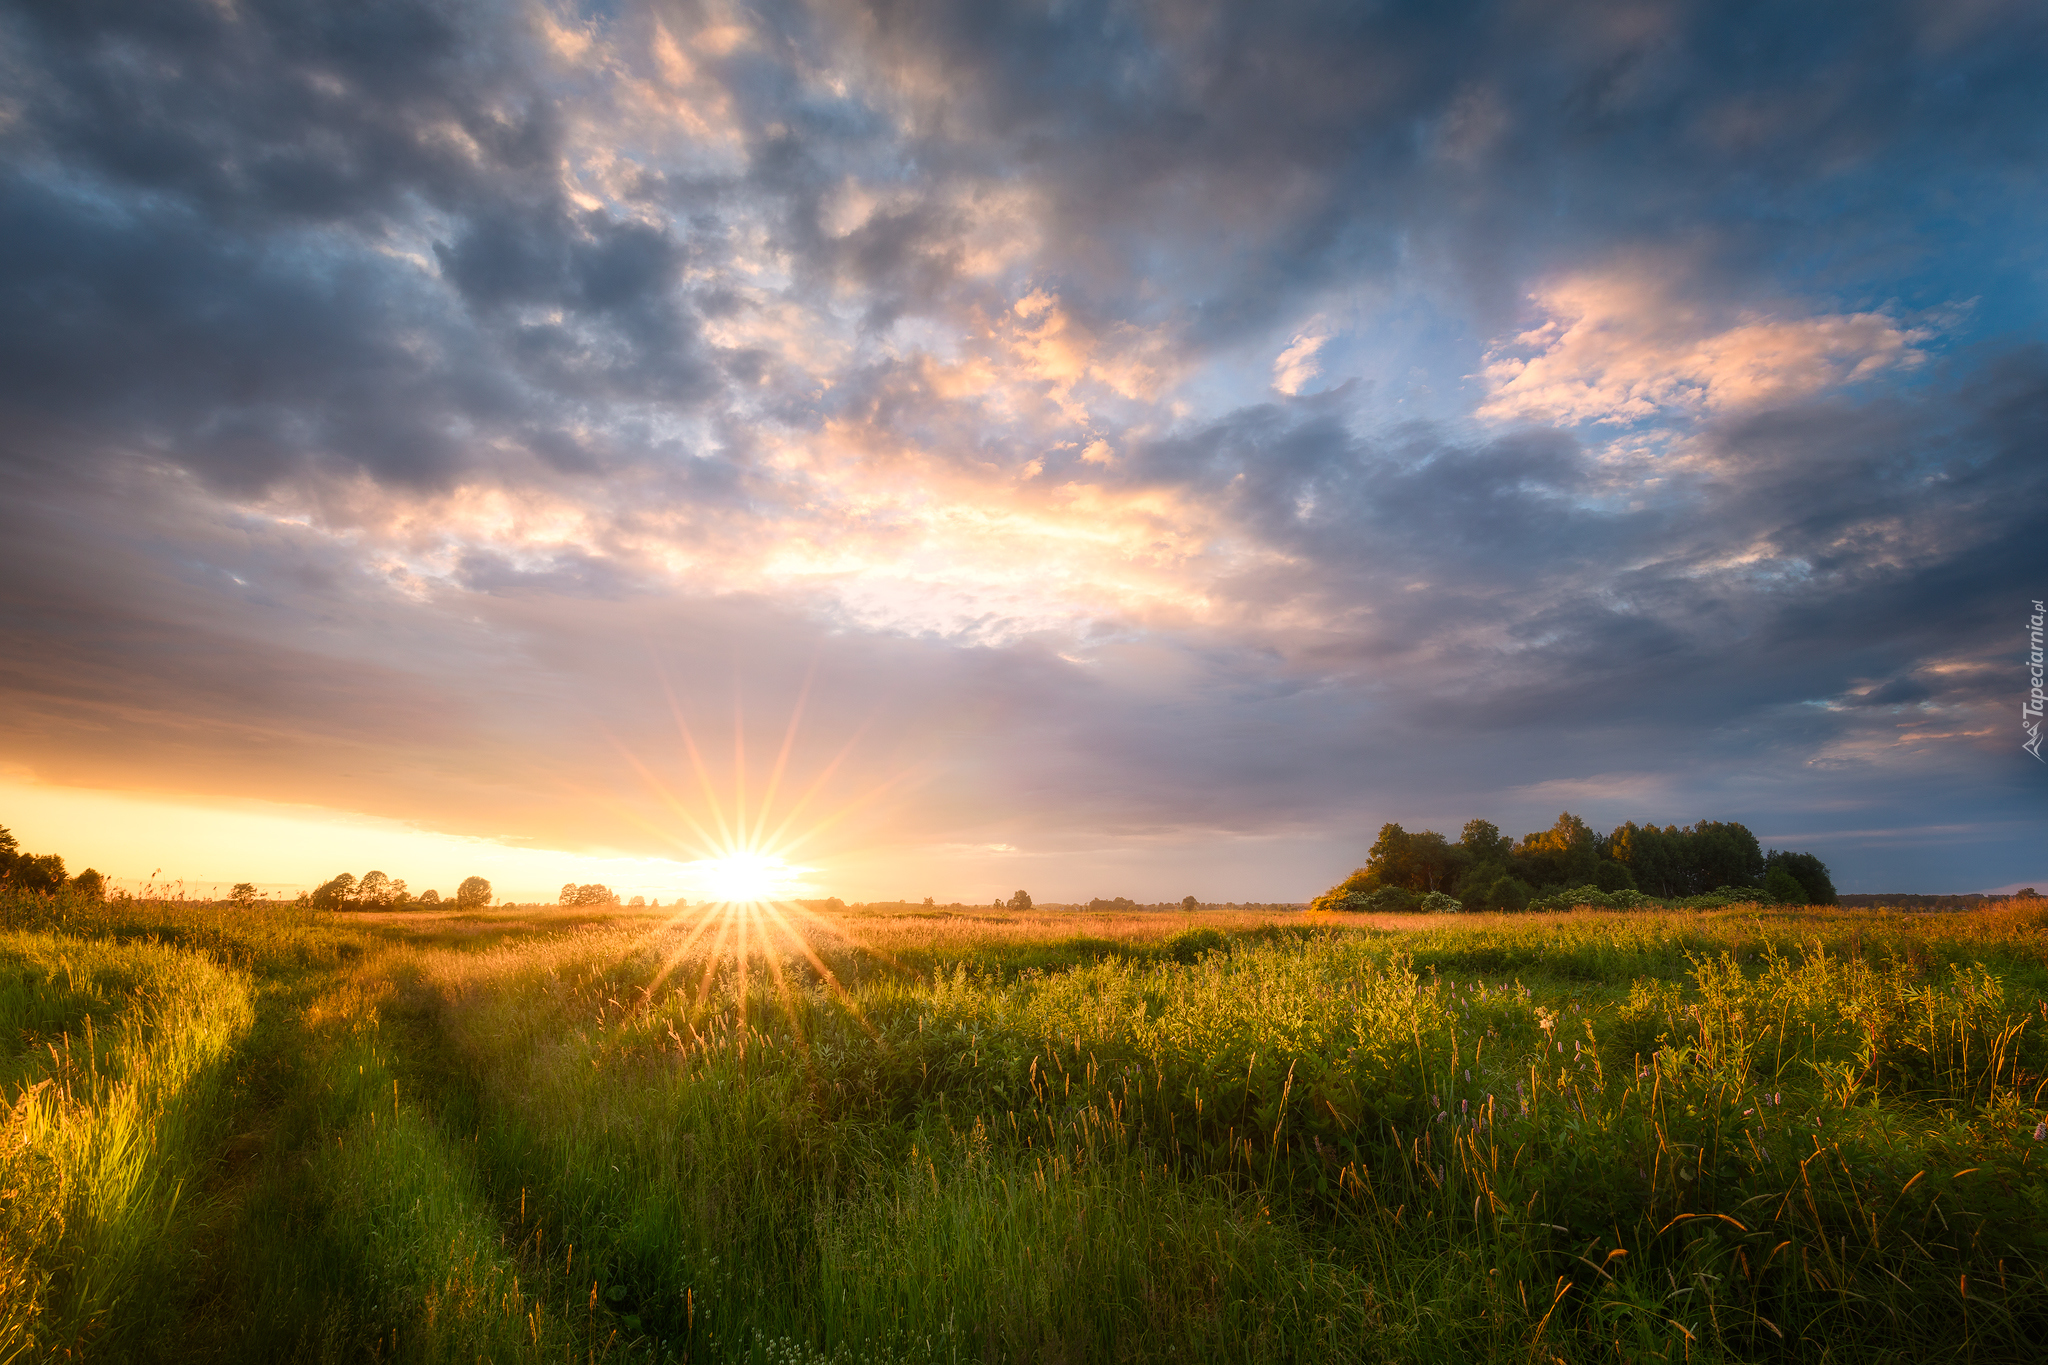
(42, 872)
(590, 893)
(1486, 870)
(377, 891)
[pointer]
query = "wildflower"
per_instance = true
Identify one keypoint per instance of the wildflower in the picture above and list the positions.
(2041, 1131)
(1464, 1107)
(1468, 1075)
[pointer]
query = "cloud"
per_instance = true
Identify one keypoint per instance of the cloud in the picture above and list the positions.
(1296, 365)
(1627, 347)
(392, 391)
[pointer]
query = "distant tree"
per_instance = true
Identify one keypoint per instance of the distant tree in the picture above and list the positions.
(1188, 903)
(473, 894)
(1021, 901)
(1565, 854)
(1726, 854)
(1433, 861)
(590, 893)
(90, 885)
(1810, 872)
(927, 902)
(430, 897)
(1610, 875)
(639, 901)
(373, 892)
(1483, 842)
(244, 894)
(1386, 862)
(336, 893)
(10, 852)
(568, 894)
(1784, 888)
(42, 872)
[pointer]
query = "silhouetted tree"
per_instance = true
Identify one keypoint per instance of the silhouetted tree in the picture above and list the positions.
(430, 897)
(335, 893)
(90, 884)
(473, 894)
(243, 894)
(1188, 903)
(28, 871)
(1021, 901)
(373, 891)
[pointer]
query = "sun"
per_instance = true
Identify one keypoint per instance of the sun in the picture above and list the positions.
(746, 876)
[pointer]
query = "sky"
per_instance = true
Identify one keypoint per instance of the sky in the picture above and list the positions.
(1095, 448)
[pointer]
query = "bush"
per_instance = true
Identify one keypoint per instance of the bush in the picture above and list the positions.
(1571, 897)
(1437, 903)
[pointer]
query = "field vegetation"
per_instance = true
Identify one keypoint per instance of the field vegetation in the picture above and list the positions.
(776, 1135)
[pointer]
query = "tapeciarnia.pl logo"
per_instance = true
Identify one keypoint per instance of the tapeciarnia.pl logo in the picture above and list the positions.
(2030, 713)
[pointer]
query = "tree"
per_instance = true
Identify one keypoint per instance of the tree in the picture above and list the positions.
(1386, 862)
(1725, 853)
(374, 890)
(243, 894)
(335, 893)
(90, 885)
(1784, 888)
(430, 897)
(1483, 842)
(473, 894)
(1810, 872)
(42, 872)
(1021, 901)
(638, 901)
(1433, 861)
(1610, 875)
(1188, 903)
(1566, 854)
(589, 893)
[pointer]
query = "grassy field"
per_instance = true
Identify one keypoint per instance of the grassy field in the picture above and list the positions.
(917, 1136)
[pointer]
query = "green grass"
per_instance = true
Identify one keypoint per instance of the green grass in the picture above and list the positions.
(1738, 1135)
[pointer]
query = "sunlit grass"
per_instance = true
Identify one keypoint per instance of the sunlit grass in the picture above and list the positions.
(748, 1131)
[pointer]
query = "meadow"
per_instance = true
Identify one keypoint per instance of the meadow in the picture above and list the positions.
(768, 1135)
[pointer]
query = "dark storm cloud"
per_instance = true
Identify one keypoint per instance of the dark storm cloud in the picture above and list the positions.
(1252, 153)
(273, 110)
(213, 228)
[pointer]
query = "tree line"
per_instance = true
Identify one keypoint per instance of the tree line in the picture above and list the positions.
(376, 891)
(1572, 864)
(43, 873)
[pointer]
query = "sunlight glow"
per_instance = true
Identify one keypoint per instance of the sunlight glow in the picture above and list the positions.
(746, 877)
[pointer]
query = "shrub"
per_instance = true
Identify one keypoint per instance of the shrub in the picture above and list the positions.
(1437, 903)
